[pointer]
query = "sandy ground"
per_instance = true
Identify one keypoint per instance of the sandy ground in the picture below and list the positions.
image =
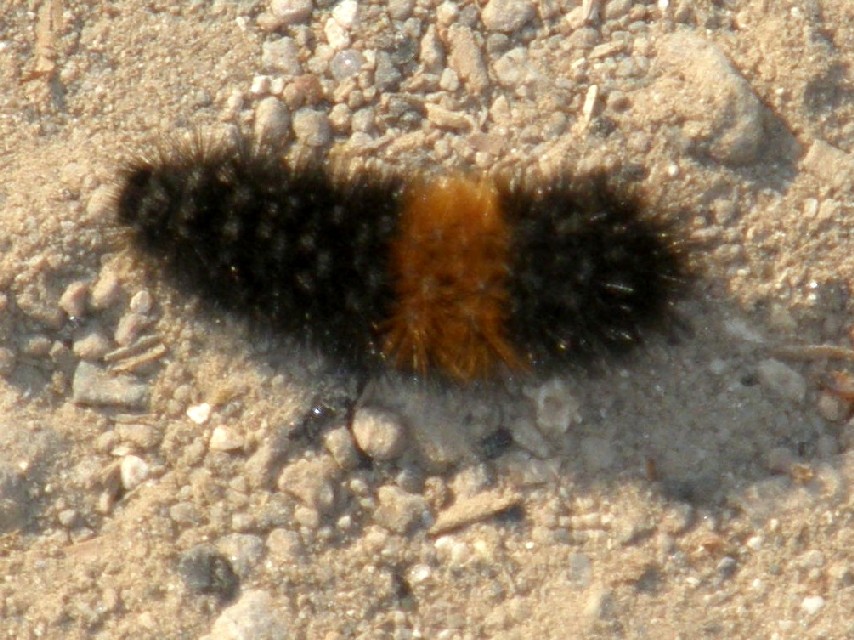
(161, 472)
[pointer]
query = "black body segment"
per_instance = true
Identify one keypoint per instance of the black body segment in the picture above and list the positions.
(590, 270)
(254, 235)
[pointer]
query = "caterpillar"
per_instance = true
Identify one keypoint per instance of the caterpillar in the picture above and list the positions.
(462, 275)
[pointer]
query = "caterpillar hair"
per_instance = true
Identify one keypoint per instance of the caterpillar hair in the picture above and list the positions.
(460, 275)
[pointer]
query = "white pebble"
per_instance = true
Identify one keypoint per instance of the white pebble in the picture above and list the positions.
(199, 413)
(336, 35)
(133, 471)
(141, 302)
(419, 573)
(556, 408)
(812, 604)
(224, 440)
(345, 13)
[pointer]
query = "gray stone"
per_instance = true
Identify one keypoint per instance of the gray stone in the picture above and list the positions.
(719, 113)
(12, 499)
(386, 75)
(580, 570)
(781, 380)
(281, 55)
(312, 127)
(95, 386)
(205, 570)
(598, 453)
(346, 63)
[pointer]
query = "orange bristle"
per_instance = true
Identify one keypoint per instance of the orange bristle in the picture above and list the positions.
(449, 267)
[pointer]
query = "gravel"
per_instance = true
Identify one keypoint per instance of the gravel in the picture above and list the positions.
(694, 488)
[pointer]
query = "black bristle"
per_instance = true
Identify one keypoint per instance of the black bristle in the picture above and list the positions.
(590, 270)
(247, 231)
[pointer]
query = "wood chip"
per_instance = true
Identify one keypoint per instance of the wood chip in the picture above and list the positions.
(133, 364)
(469, 510)
(142, 344)
(813, 352)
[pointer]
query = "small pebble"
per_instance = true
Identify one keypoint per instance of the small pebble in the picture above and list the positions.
(400, 9)
(379, 433)
(205, 570)
(265, 464)
(507, 16)
(106, 291)
(251, 617)
(727, 567)
(447, 119)
(199, 413)
(468, 510)
(281, 55)
(310, 481)
(721, 114)
(94, 386)
(223, 439)
(346, 63)
(398, 510)
(336, 35)
(832, 408)
(140, 302)
(73, 299)
(339, 443)
(129, 328)
(782, 380)
(466, 58)
(291, 11)
(312, 128)
(345, 13)
(812, 604)
(101, 202)
(244, 552)
(142, 436)
(555, 406)
(133, 472)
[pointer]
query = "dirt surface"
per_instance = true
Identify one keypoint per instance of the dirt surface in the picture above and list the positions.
(162, 473)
